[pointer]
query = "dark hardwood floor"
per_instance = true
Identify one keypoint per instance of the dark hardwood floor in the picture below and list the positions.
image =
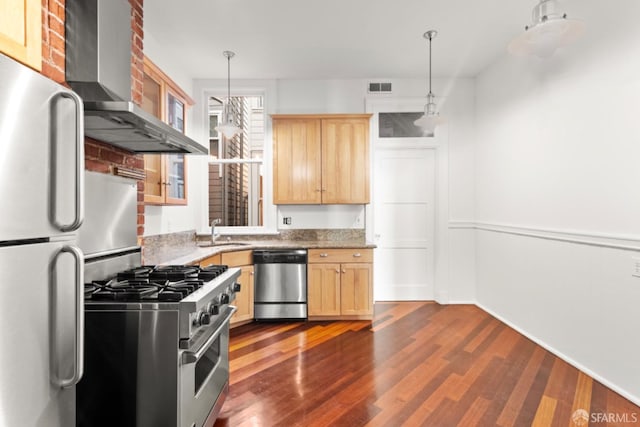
(417, 364)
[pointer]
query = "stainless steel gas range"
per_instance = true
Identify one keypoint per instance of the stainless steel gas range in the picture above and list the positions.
(156, 348)
(156, 337)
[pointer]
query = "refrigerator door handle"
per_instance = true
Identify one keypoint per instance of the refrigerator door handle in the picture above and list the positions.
(79, 169)
(78, 360)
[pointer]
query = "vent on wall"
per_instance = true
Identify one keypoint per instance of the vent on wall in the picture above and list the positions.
(380, 87)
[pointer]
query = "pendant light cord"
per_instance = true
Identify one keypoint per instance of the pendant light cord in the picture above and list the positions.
(227, 109)
(429, 35)
(228, 78)
(430, 93)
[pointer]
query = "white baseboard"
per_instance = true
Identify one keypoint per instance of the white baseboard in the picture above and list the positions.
(579, 366)
(462, 302)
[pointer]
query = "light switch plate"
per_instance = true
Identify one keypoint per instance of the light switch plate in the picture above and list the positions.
(635, 271)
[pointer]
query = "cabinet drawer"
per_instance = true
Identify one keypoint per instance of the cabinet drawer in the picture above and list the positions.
(234, 259)
(212, 260)
(340, 255)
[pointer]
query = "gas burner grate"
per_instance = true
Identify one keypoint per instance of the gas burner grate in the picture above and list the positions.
(211, 272)
(178, 290)
(137, 273)
(174, 272)
(128, 290)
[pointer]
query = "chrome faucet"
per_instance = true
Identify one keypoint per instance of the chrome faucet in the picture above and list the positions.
(214, 235)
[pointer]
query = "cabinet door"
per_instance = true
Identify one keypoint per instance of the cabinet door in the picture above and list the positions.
(345, 160)
(21, 31)
(166, 175)
(152, 95)
(297, 161)
(323, 288)
(154, 187)
(175, 171)
(356, 290)
(244, 298)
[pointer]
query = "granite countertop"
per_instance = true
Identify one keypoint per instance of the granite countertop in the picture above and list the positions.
(199, 253)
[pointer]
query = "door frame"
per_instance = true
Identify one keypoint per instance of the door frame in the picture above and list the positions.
(440, 144)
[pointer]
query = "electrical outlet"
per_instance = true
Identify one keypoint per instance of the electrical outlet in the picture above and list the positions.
(635, 267)
(286, 220)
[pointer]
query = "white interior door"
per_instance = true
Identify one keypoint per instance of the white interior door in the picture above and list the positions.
(404, 223)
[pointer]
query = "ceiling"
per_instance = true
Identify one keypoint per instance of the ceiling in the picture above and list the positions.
(305, 39)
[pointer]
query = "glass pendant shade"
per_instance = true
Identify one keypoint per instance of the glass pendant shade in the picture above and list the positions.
(228, 128)
(549, 31)
(431, 119)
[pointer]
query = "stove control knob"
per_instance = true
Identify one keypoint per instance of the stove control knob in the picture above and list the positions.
(213, 310)
(224, 299)
(236, 287)
(204, 318)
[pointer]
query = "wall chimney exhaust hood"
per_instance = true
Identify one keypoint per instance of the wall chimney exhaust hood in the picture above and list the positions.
(98, 68)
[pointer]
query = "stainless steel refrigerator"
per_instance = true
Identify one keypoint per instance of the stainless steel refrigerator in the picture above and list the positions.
(41, 268)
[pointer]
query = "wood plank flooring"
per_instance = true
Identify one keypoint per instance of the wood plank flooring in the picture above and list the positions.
(417, 364)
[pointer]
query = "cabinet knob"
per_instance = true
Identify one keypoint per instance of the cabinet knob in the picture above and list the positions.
(357, 255)
(318, 190)
(324, 255)
(337, 270)
(344, 271)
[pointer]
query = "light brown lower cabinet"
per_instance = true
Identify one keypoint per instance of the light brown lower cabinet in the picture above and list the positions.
(340, 284)
(244, 298)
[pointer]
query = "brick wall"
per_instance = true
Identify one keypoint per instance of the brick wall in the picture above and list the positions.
(99, 157)
(53, 39)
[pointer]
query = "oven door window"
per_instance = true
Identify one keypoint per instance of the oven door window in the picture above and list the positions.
(207, 364)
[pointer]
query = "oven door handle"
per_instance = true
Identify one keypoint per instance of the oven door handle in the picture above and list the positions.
(194, 356)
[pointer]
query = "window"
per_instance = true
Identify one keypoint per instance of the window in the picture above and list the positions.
(399, 125)
(235, 170)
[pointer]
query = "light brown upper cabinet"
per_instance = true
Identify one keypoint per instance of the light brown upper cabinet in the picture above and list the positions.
(321, 159)
(166, 174)
(21, 31)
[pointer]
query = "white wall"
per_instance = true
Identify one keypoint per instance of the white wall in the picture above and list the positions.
(557, 203)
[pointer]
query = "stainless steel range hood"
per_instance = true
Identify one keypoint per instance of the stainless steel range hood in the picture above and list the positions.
(98, 68)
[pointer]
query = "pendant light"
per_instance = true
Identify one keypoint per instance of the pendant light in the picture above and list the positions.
(431, 119)
(228, 127)
(549, 30)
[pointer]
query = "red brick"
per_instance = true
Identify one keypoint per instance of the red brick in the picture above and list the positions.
(52, 72)
(97, 166)
(56, 24)
(140, 219)
(112, 156)
(58, 59)
(135, 162)
(140, 231)
(91, 150)
(56, 41)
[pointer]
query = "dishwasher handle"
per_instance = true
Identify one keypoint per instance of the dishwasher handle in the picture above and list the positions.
(280, 256)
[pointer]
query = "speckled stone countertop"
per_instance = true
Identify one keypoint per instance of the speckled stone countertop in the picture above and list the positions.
(187, 248)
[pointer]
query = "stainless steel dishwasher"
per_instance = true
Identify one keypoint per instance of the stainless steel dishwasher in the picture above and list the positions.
(280, 284)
